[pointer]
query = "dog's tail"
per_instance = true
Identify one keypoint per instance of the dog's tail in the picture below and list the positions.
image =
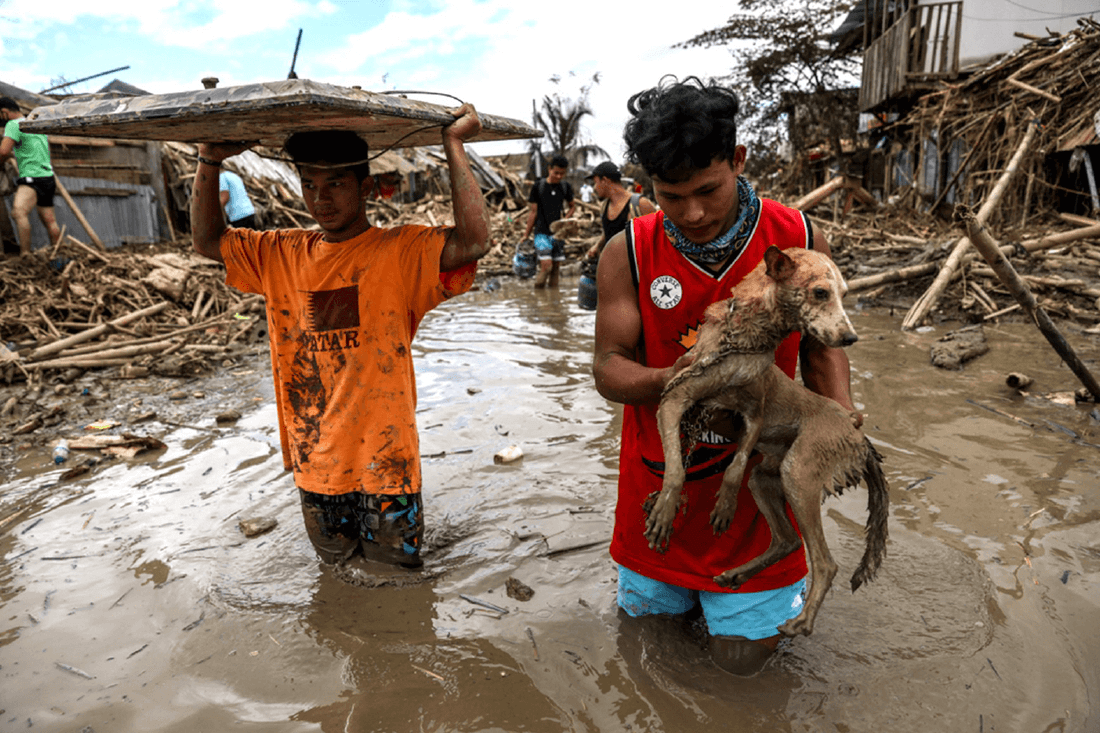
(878, 511)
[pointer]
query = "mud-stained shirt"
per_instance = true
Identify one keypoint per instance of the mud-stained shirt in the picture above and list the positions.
(341, 318)
(673, 293)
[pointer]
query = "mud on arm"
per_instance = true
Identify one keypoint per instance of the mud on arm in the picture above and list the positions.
(468, 241)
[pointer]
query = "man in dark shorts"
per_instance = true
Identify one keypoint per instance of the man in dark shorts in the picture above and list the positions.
(36, 184)
(545, 203)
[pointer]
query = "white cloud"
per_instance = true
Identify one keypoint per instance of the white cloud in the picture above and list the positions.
(498, 54)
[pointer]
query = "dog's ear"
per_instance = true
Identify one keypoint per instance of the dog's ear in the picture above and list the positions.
(779, 265)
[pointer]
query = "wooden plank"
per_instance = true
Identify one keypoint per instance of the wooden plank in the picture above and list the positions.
(267, 112)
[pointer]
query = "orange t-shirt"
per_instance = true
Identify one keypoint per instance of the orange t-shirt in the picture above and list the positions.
(341, 318)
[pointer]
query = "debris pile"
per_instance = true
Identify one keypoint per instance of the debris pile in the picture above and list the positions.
(153, 309)
(984, 118)
(889, 257)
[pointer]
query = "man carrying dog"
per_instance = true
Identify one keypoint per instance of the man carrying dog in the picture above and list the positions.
(655, 280)
(343, 305)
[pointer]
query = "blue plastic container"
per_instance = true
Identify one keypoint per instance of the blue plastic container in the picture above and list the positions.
(586, 291)
(525, 262)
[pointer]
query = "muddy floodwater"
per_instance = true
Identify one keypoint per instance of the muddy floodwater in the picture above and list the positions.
(131, 601)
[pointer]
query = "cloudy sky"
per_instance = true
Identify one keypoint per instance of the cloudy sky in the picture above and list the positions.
(498, 54)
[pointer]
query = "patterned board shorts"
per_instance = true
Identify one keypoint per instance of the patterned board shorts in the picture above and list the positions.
(384, 527)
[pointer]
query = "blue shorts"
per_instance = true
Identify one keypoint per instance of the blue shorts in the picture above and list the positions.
(751, 615)
(549, 248)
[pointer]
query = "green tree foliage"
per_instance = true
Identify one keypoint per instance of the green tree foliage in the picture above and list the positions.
(787, 71)
(560, 117)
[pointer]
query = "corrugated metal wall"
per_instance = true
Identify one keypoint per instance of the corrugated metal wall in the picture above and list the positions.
(118, 218)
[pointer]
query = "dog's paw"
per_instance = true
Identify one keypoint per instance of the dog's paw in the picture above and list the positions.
(721, 518)
(658, 533)
(730, 579)
(800, 624)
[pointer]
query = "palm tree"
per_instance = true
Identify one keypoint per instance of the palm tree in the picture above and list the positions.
(560, 119)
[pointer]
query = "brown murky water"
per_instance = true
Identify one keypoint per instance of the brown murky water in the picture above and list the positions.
(132, 602)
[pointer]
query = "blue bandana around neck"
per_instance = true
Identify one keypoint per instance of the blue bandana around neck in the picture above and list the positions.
(734, 240)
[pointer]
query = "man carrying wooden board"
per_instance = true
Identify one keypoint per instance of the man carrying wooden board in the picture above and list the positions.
(343, 305)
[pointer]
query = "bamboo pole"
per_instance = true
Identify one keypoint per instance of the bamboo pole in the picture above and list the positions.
(1034, 90)
(91, 333)
(819, 194)
(73, 240)
(97, 348)
(124, 352)
(79, 214)
(931, 296)
(984, 243)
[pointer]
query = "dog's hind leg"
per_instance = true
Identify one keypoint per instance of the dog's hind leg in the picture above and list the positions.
(767, 490)
(658, 525)
(804, 478)
(726, 504)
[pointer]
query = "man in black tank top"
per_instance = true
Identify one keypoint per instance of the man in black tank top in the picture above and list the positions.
(619, 205)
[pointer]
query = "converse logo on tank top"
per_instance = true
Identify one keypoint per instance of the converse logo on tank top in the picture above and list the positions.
(666, 292)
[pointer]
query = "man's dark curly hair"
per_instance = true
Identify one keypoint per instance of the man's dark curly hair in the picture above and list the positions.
(678, 127)
(559, 161)
(331, 147)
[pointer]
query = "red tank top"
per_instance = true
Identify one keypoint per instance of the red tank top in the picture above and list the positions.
(673, 293)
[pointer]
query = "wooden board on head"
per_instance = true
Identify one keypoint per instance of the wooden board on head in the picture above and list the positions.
(266, 112)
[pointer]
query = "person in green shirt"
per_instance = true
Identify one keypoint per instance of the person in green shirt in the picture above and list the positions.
(36, 184)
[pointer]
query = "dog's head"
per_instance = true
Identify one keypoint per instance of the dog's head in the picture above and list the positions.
(810, 289)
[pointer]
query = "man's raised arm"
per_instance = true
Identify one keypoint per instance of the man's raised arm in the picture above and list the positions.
(207, 219)
(469, 240)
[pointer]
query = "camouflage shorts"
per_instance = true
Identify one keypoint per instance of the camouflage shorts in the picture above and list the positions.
(383, 527)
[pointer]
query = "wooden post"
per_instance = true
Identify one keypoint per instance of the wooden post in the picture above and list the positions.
(818, 195)
(931, 296)
(79, 215)
(984, 243)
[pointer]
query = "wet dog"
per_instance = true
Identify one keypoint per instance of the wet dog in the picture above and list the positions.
(811, 446)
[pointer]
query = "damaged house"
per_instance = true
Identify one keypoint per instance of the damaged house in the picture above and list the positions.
(949, 91)
(110, 192)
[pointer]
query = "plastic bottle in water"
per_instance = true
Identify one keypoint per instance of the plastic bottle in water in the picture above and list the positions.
(61, 452)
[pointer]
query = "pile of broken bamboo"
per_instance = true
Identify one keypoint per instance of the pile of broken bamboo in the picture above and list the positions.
(146, 309)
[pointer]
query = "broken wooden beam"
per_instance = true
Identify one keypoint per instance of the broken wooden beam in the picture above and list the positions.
(79, 214)
(990, 250)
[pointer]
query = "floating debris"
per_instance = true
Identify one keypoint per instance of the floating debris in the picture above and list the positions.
(518, 590)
